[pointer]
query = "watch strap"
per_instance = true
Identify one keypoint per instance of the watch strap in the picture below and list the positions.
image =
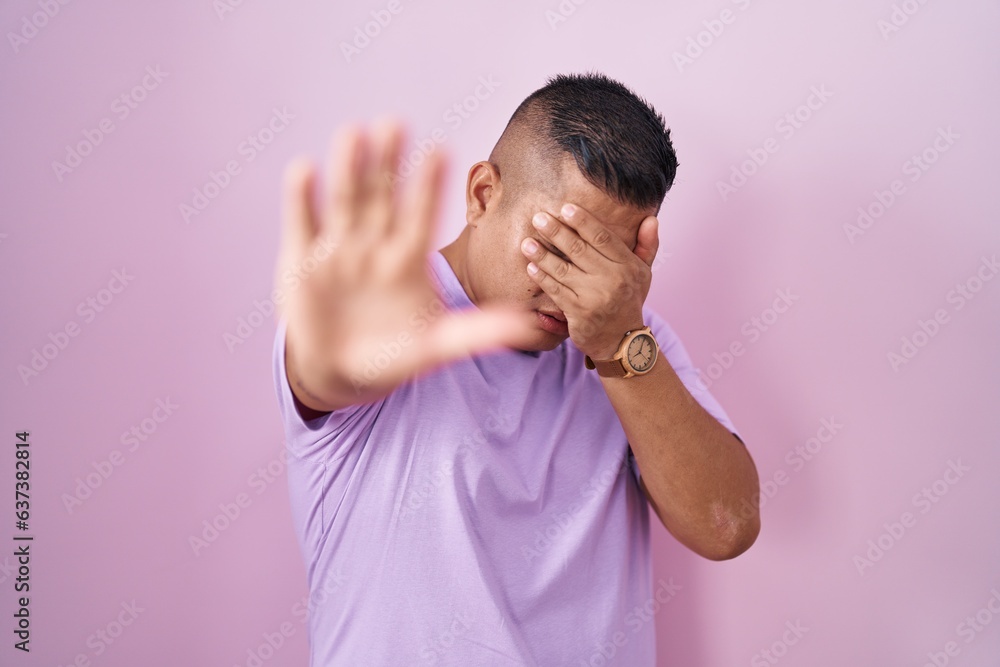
(609, 368)
(616, 367)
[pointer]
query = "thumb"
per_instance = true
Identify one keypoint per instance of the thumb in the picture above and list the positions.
(648, 240)
(461, 335)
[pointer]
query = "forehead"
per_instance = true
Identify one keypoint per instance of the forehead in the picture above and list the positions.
(567, 184)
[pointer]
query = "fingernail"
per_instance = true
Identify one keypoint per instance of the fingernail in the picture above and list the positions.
(532, 269)
(539, 220)
(529, 245)
(568, 210)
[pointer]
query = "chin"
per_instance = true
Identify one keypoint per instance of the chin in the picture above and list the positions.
(543, 342)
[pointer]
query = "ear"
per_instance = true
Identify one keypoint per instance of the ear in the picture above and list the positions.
(483, 186)
(648, 240)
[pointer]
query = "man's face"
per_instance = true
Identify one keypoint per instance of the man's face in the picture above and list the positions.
(497, 269)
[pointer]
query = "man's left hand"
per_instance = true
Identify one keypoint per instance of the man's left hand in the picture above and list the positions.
(598, 282)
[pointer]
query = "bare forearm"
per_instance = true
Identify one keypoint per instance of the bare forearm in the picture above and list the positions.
(698, 476)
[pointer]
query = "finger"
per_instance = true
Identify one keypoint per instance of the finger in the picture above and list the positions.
(460, 335)
(557, 267)
(298, 205)
(299, 223)
(565, 239)
(561, 293)
(648, 240)
(387, 136)
(343, 179)
(594, 232)
(420, 204)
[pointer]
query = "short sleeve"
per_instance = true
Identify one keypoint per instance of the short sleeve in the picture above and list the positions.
(673, 350)
(326, 437)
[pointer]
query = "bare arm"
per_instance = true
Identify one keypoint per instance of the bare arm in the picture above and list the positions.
(353, 279)
(698, 477)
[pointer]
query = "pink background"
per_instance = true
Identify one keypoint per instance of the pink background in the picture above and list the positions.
(162, 336)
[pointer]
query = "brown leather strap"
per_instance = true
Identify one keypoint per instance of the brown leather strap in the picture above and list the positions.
(609, 368)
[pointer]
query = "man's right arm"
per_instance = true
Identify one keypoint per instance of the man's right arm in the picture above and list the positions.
(307, 403)
(360, 254)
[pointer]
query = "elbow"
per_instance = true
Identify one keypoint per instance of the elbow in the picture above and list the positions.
(733, 534)
(727, 547)
(721, 533)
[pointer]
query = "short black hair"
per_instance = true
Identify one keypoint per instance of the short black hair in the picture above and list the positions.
(620, 143)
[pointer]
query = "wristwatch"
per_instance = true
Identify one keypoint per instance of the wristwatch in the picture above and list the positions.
(636, 356)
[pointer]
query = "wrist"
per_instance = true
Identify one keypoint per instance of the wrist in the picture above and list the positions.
(611, 344)
(635, 355)
(605, 351)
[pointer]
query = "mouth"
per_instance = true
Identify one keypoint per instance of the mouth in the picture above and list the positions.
(553, 321)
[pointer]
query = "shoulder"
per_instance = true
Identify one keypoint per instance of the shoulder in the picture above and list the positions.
(664, 333)
(676, 354)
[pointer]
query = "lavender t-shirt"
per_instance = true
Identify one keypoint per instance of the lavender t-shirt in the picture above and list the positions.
(488, 513)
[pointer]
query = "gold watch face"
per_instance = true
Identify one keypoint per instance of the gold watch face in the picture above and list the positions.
(641, 353)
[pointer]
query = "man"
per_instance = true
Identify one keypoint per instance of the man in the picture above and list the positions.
(472, 446)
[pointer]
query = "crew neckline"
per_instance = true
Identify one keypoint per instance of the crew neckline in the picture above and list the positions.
(449, 283)
(454, 293)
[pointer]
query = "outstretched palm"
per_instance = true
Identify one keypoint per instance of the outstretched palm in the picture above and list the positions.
(365, 316)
